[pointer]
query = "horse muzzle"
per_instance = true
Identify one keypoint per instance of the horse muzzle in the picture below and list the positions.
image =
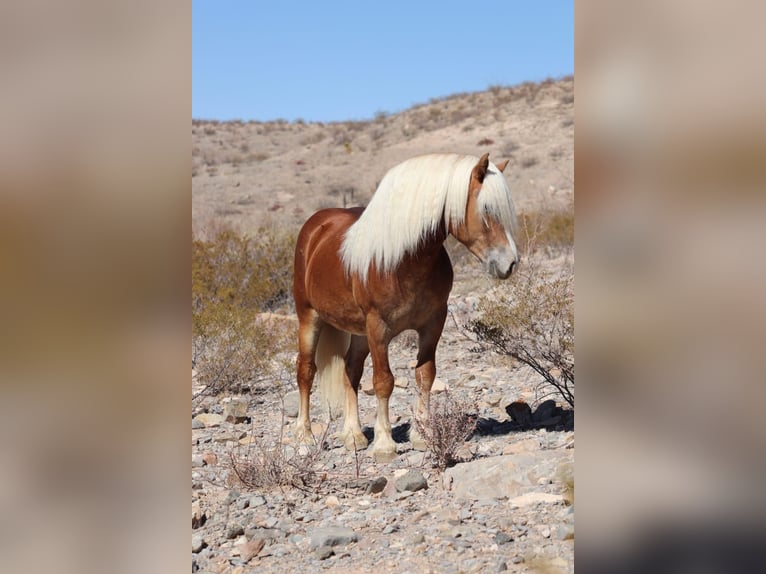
(501, 264)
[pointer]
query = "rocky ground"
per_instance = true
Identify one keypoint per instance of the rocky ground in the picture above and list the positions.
(509, 507)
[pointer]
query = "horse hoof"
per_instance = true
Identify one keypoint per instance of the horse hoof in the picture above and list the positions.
(354, 441)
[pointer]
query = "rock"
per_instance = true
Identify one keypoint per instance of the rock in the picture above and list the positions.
(198, 517)
(235, 409)
(367, 387)
(502, 538)
(332, 501)
(499, 477)
(532, 498)
(324, 552)
(291, 404)
(197, 461)
(521, 446)
(257, 500)
(439, 386)
(197, 424)
(520, 413)
(198, 543)
(401, 382)
(250, 549)
(210, 458)
(376, 485)
(545, 410)
(501, 566)
(264, 533)
(234, 530)
(565, 532)
(412, 481)
(332, 536)
(417, 539)
(209, 419)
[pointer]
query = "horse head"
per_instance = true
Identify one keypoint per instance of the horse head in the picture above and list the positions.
(482, 231)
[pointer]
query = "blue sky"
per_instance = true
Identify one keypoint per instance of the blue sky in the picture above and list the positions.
(338, 60)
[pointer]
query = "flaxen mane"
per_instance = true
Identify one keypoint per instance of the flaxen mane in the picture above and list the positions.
(410, 203)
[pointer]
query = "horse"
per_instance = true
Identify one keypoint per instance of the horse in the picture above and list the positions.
(364, 275)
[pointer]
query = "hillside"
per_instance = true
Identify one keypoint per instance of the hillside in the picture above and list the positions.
(248, 174)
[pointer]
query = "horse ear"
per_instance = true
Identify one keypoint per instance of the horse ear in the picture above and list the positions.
(480, 170)
(502, 165)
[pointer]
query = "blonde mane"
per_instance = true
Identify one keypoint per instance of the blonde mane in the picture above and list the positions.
(411, 202)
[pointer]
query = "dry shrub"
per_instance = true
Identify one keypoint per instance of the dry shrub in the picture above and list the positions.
(236, 281)
(450, 423)
(533, 322)
(272, 464)
(546, 229)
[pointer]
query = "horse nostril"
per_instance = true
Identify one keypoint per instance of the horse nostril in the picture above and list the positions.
(513, 265)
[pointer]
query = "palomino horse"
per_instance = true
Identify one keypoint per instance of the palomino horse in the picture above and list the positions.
(362, 276)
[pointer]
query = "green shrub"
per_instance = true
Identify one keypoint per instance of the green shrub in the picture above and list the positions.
(237, 282)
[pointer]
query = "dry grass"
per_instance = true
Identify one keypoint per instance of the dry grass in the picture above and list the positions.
(267, 464)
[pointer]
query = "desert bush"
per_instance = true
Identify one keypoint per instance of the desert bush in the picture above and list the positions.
(533, 322)
(450, 423)
(269, 463)
(236, 281)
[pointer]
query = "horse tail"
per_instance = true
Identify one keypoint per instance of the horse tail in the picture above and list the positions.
(331, 369)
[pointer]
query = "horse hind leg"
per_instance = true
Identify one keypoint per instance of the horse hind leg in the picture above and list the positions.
(308, 337)
(351, 435)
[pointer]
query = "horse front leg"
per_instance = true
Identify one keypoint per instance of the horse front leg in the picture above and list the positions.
(425, 373)
(383, 445)
(351, 435)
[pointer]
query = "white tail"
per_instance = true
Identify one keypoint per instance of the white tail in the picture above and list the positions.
(331, 369)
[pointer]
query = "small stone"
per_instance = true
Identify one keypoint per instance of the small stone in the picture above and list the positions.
(234, 530)
(250, 549)
(401, 382)
(209, 419)
(501, 566)
(332, 501)
(257, 500)
(412, 481)
(197, 461)
(324, 552)
(545, 532)
(210, 458)
(332, 536)
(376, 485)
(502, 538)
(197, 424)
(292, 403)
(235, 409)
(198, 543)
(517, 559)
(367, 387)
